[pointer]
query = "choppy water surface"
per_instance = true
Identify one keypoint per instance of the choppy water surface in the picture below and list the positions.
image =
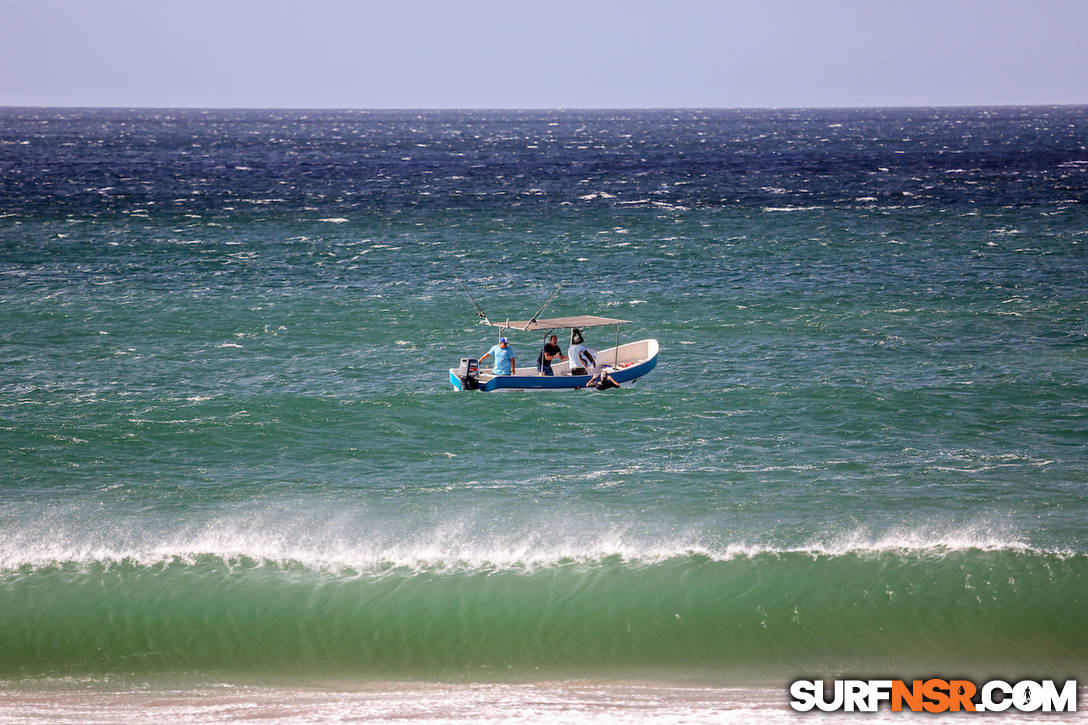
(227, 444)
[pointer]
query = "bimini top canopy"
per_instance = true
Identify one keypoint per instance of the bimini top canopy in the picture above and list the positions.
(558, 322)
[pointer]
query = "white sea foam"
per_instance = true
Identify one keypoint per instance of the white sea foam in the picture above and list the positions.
(338, 539)
(612, 702)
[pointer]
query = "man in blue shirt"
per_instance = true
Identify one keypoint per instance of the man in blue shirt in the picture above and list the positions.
(504, 358)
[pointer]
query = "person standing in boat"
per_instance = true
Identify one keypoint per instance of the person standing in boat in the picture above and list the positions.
(504, 358)
(548, 355)
(582, 359)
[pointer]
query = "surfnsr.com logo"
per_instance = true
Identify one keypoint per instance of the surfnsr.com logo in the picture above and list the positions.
(934, 695)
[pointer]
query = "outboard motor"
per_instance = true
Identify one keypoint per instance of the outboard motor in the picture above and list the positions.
(469, 373)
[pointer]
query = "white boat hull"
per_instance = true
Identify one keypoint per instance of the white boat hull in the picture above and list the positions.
(626, 364)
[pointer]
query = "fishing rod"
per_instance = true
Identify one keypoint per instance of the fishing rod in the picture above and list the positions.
(548, 302)
(479, 312)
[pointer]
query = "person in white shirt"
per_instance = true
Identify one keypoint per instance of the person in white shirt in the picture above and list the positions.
(583, 360)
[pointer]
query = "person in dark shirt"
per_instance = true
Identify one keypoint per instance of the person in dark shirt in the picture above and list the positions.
(548, 355)
(602, 381)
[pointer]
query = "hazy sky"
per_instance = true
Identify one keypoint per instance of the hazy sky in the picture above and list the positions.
(546, 54)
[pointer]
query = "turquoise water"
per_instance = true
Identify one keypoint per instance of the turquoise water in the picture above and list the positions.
(228, 444)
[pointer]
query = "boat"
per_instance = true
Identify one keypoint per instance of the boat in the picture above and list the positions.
(625, 363)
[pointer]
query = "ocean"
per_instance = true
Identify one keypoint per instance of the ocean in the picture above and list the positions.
(236, 483)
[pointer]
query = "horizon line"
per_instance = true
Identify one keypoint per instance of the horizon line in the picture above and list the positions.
(536, 108)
